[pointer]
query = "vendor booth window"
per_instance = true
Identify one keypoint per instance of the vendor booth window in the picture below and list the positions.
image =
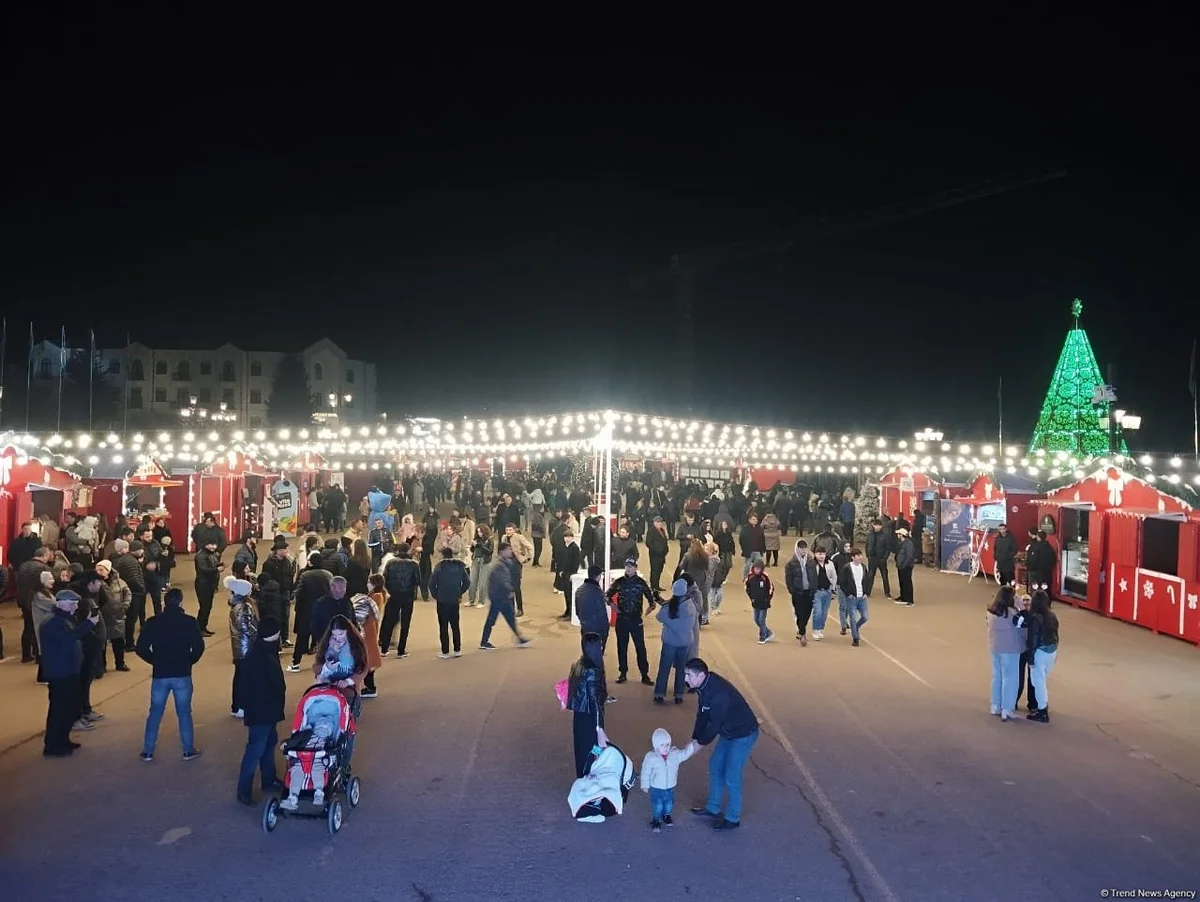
(1160, 545)
(1074, 523)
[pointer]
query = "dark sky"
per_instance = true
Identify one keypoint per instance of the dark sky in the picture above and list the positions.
(489, 233)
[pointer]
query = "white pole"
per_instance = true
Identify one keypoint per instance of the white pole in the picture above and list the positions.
(607, 477)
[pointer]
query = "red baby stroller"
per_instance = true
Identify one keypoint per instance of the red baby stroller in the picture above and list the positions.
(318, 750)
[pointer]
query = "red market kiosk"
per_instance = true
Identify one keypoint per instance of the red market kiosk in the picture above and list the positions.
(307, 472)
(30, 488)
(132, 489)
(994, 500)
(1127, 550)
(907, 488)
(230, 488)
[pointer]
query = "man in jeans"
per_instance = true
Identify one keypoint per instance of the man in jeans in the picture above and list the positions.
(171, 643)
(501, 591)
(722, 714)
(852, 581)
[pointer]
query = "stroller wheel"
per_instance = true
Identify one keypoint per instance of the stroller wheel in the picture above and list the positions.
(335, 817)
(270, 815)
(353, 792)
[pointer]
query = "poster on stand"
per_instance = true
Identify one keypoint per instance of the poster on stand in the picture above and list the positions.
(954, 521)
(285, 499)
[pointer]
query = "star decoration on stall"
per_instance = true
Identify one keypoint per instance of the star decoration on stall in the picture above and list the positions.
(1124, 584)
(1148, 589)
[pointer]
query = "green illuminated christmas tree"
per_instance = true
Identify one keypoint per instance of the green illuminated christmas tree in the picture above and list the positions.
(1069, 420)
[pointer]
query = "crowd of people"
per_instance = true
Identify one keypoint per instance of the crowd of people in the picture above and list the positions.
(355, 580)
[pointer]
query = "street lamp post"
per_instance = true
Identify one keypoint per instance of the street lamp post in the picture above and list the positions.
(192, 413)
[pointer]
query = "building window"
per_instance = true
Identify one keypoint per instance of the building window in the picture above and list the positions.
(44, 369)
(183, 373)
(227, 396)
(227, 373)
(135, 399)
(255, 421)
(205, 368)
(160, 396)
(256, 396)
(160, 368)
(182, 397)
(255, 368)
(318, 372)
(204, 395)
(349, 377)
(348, 401)
(136, 371)
(114, 367)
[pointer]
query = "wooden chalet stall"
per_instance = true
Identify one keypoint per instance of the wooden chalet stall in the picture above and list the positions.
(231, 488)
(1127, 550)
(994, 499)
(134, 488)
(906, 488)
(30, 488)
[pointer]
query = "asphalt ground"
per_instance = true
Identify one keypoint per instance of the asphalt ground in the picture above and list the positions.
(879, 775)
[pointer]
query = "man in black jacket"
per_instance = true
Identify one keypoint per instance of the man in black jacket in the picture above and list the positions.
(171, 644)
(401, 578)
(721, 714)
(281, 569)
(313, 584)
(1004, 551)
(878, 549)
(329, 606)
(129, 568)
(448, 583)
(591, 607)
(28, 579)
(62, 661)
(627, 594)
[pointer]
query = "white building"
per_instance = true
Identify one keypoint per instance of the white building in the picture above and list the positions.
(158, 384)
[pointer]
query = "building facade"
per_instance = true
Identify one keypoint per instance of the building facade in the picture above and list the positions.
(157, 385)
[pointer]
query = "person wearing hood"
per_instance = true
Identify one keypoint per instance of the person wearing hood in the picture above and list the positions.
(568, 560)
(760, 590)
(660, 774)
(171, 644)
(679, 619)
(586, 693)
(243, 629)
(264, 698)
(906, 559)
(722, 516)
(62, 660)
(313, 583)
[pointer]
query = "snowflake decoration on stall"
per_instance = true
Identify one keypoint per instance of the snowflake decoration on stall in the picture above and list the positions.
(1069, 421)
(1148, 589)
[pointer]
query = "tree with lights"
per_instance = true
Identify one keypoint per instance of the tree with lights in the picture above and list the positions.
(1069, 420)
(291, 400)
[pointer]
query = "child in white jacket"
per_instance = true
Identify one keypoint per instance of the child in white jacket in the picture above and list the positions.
(660, 773)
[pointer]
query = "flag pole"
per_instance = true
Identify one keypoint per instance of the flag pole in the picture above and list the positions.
(1195, 412)
(126, 381)
(62, 365)
(1000, 401)
(91, 374)
(29, 378)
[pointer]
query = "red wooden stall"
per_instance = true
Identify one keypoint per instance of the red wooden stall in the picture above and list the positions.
(231, 488)
(29, 488)
(306, 472)
(998, 499)
(119, 488)
(906, 488)
(1127, 550)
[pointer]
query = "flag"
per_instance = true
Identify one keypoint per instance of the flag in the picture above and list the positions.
(1192, 372)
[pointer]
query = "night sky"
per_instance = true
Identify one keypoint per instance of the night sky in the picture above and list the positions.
(498, 236)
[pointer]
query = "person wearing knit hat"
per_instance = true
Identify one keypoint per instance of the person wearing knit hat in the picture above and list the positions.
(680, 625)
(660, 774)
(243, 630)
(120, 546)
(171, 644)
(115, 599)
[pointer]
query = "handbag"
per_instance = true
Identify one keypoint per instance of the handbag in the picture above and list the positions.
(560, 689)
